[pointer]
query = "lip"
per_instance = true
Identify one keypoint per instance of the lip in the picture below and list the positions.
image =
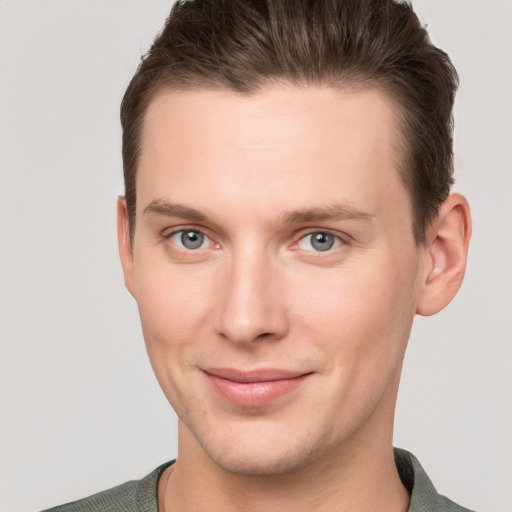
(254, 388)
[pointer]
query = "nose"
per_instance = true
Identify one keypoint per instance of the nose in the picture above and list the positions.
(250, 303)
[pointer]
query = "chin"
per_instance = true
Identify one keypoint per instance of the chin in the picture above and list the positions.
(243, 456)
(265, 464)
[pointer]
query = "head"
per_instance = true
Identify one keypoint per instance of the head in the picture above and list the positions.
(287, 213)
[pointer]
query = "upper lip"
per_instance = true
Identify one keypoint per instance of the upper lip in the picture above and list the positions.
(258, 375)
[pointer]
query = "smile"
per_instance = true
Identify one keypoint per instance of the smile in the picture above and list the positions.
(253, 388)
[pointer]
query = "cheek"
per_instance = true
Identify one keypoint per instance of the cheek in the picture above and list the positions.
(361, 316)
(170, 297)
(174, 302)
(365, 326)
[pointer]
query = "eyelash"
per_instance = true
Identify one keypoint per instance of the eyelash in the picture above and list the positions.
(338, 239)
(182, 231)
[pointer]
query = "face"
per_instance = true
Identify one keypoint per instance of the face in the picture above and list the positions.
(275, 270)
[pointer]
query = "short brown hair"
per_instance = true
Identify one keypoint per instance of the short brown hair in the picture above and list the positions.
(247, 45)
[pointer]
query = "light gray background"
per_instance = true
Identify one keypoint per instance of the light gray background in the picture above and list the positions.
(80, 408)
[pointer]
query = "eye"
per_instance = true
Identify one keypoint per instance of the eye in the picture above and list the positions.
(319, 241)
(189, 239)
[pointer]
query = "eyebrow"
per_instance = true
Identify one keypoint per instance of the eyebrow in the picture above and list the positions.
(317, 214)
(326, 213)
(166, 209)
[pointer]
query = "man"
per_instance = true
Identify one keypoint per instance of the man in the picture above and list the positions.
(287, 213)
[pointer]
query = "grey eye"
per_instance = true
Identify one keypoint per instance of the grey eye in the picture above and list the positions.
(189, 239)
(319, 241)
(322, 241)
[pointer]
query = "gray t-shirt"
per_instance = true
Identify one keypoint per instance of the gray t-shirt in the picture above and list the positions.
(141, 495)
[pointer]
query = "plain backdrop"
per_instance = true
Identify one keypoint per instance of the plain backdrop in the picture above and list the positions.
(80, 408)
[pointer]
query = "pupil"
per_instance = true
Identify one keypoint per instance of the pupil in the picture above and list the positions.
(192, 239)
(322, 241)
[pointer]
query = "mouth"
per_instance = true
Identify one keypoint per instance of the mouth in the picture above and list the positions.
(254, 388)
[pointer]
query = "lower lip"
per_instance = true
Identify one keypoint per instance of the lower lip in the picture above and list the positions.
(254, 394)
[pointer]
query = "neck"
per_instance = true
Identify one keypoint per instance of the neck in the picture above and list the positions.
(368, 482)
(360, 475)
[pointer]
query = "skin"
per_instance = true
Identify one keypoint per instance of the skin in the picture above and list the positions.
(257, 176)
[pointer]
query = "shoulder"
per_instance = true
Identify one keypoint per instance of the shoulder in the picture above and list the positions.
(424, 497)
(133, 496)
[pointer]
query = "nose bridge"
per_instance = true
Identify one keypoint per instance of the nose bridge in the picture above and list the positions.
(249, 305)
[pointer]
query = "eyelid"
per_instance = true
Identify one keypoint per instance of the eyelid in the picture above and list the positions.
(342, 237)
(168, 233)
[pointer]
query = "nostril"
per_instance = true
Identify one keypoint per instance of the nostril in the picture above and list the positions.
(264, 335)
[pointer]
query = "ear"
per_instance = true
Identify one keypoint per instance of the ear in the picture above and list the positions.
(446, 253)
(124, 243)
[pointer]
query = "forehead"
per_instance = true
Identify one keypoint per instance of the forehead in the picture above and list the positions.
(261, 117)
(290, 145)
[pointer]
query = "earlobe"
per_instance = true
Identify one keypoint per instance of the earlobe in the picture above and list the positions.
(124, 243)
(445, 256)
